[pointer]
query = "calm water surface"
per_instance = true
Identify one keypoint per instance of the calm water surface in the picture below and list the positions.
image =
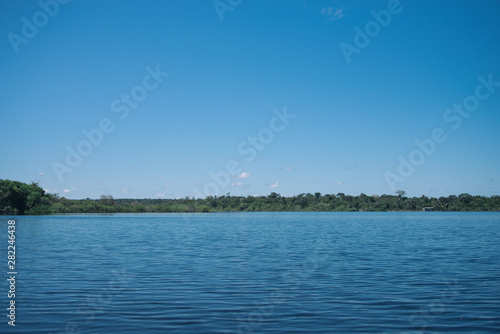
(256, 273)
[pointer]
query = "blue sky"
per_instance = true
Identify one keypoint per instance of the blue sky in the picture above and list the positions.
(71, 66)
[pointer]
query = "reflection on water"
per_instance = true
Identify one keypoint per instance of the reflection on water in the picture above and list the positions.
(258, 273)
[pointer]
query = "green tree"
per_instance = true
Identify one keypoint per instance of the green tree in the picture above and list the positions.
(400, 193)
(18, 197)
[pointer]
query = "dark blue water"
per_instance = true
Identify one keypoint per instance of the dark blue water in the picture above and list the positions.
(256, 273)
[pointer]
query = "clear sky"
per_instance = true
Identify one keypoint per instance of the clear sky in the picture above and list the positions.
(286, 96)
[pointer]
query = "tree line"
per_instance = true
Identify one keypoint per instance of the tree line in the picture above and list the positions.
(21, 198)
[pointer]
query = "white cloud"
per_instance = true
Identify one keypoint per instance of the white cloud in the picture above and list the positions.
(167, 185)
(333, 14)
(66, 191)
(237, 184)
(159, 178)
(46, 190)
(125, 191)
(288, 168)
(339, 183)
(243, 175)
(159, 195)
(274, 185)
(41, 173)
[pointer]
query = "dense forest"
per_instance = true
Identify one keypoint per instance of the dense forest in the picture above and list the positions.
(21, 198)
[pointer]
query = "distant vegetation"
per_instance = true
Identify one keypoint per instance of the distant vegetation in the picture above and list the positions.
(21, 198)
